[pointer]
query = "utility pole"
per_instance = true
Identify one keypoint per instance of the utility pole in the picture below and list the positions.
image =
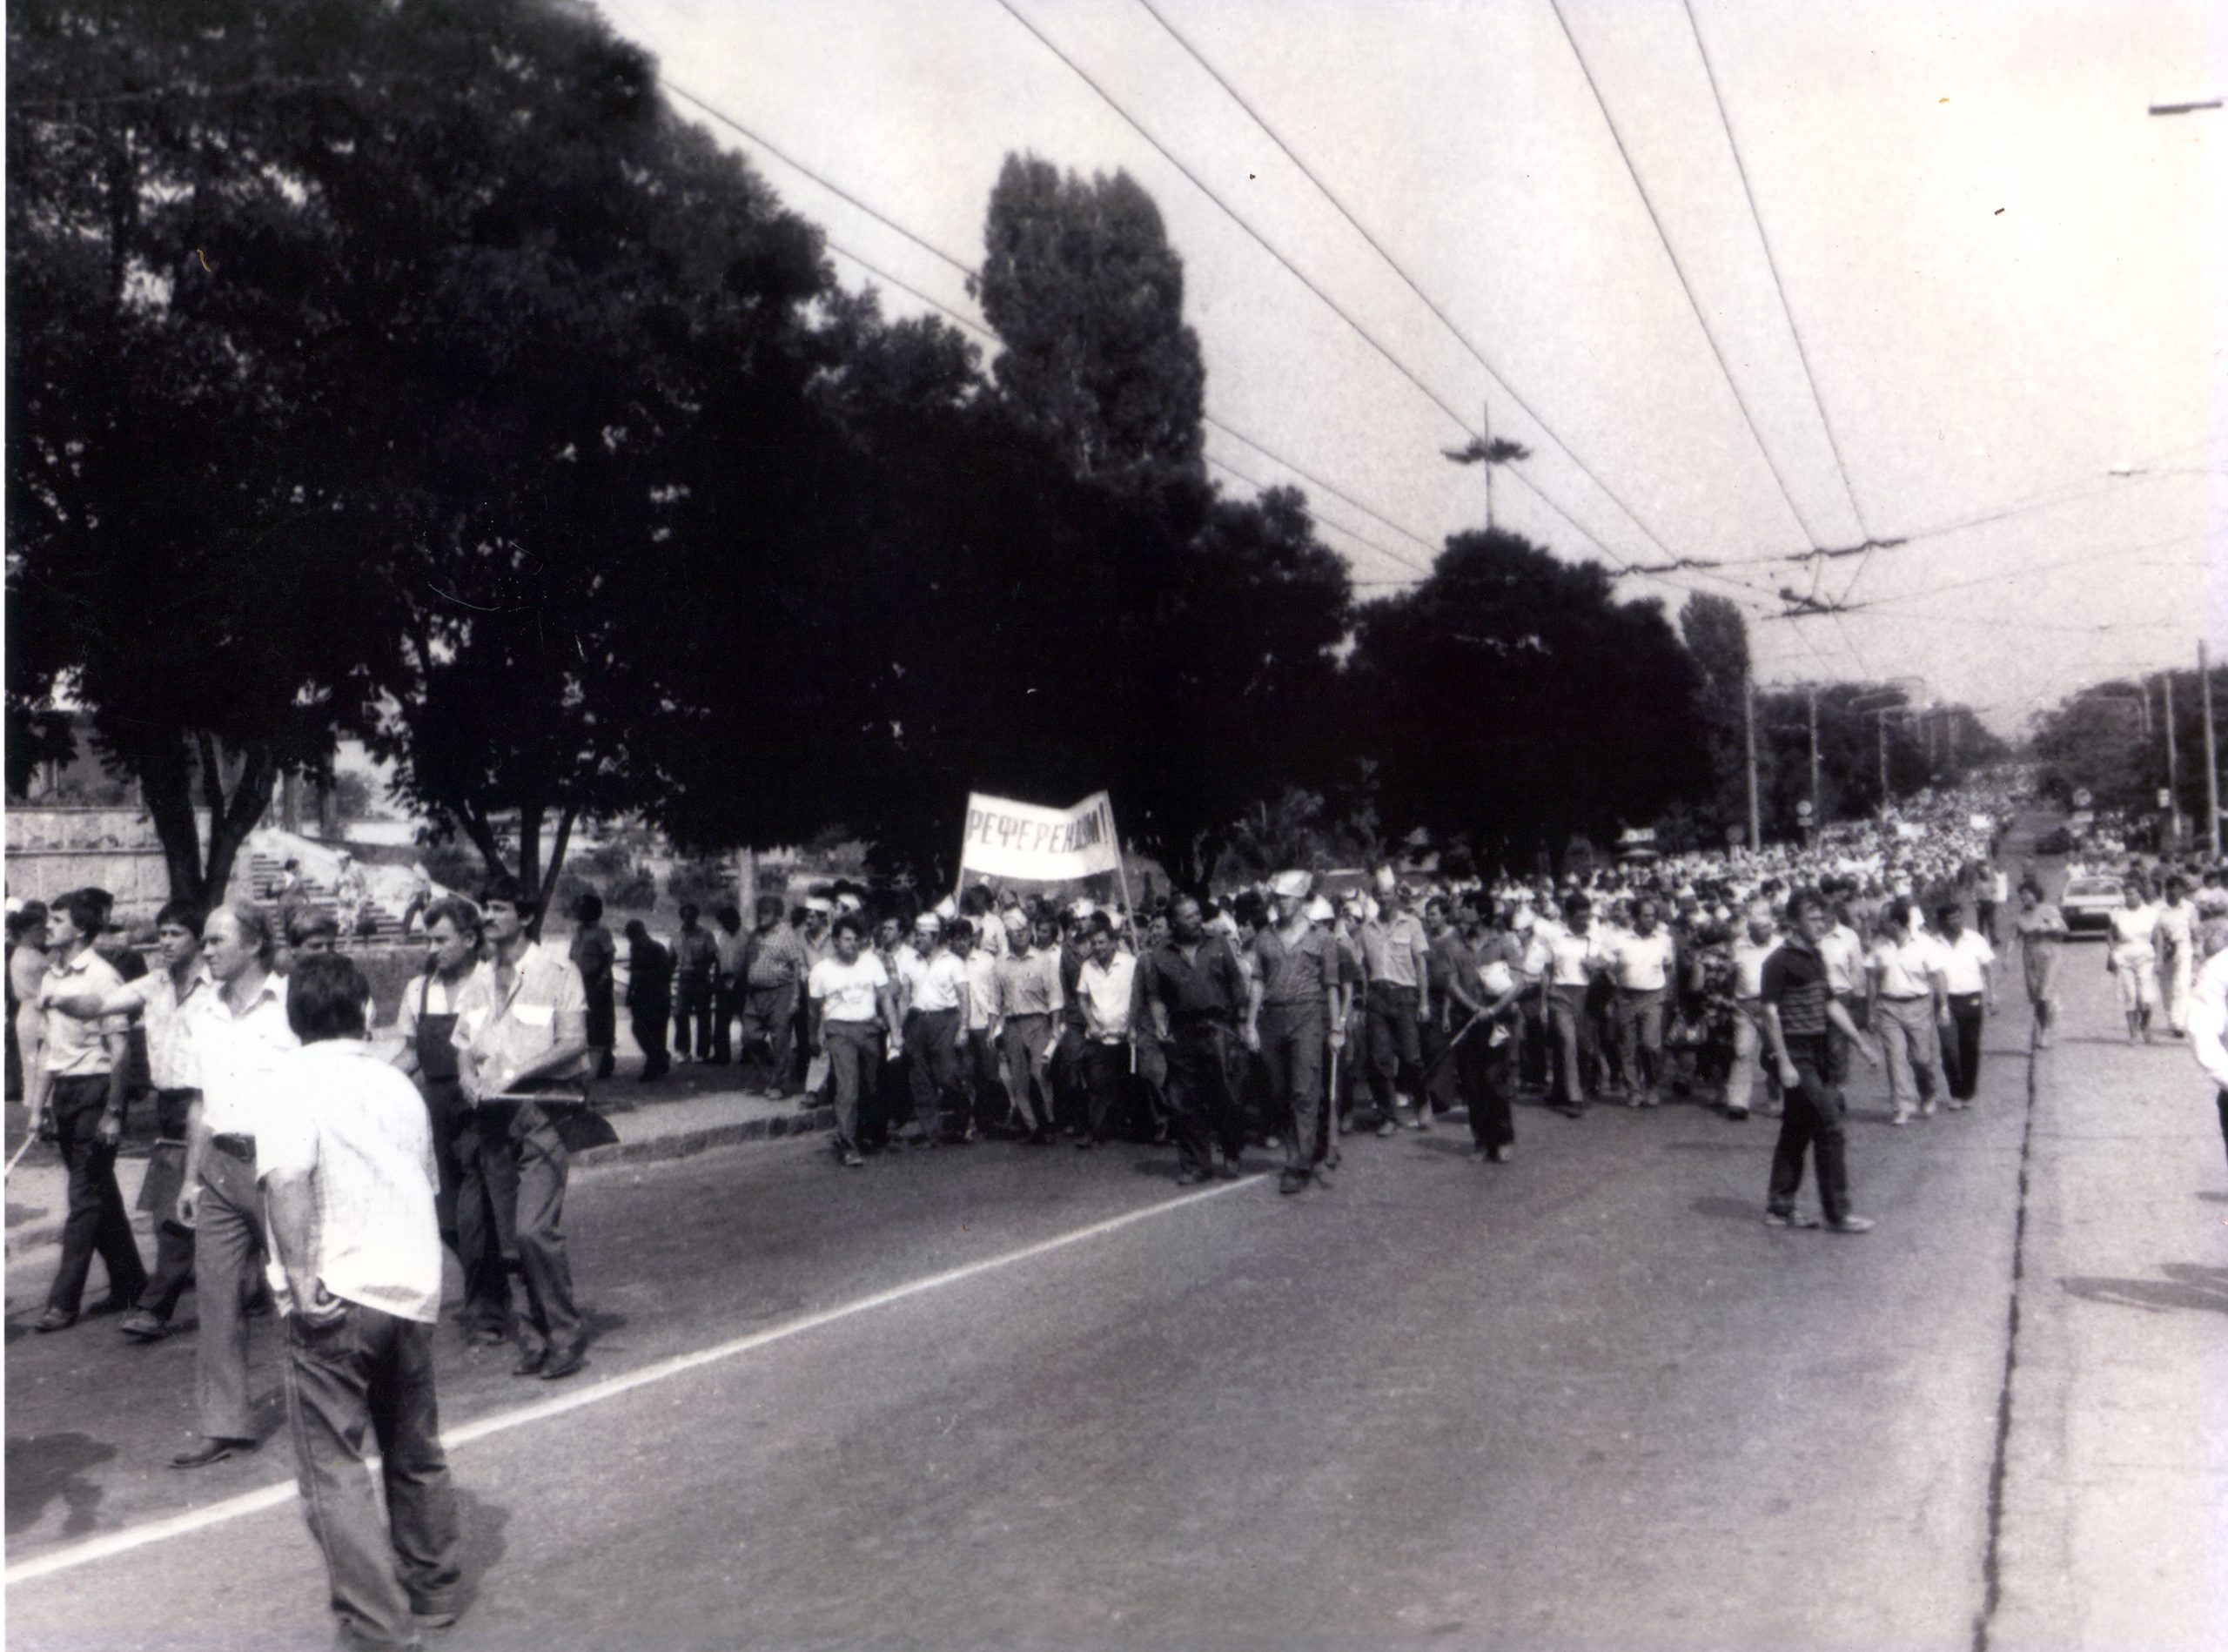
(1486, 432)
(2211, 753)
(1886, 796)
(1817, 803)
(2173, 765)
(1748, 738)
(1953, 742)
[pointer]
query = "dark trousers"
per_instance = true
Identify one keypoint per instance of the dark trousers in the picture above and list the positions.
(448, 1112)
(2221, 1099)
(96, 1221)
(980, 1064)
(1811, 1123)
(158, 1191)
(854, 1070)
(769, 1016)
(932, 1056)
(649, 1024)
(727, 1004)
(1202, 1115)
(515, 1167)
(603, 1025)
(368, 1377)
(1396, 1052)
(1292, 1037)
(1105, 1069)
(227, 1257)
(692, 1015)
(1961, 1045)
(1028, 1052)
(1488, 1074)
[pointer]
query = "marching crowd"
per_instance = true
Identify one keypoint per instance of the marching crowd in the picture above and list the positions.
(295, 1155)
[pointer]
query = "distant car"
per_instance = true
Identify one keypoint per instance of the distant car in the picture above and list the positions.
(2056, 841)
(2088, 904)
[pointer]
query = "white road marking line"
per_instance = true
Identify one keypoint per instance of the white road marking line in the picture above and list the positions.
(254, 1503)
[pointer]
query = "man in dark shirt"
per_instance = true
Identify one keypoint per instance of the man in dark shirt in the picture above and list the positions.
(649, 998)
(1294, 1018)
(596, 956)
(1196, 994)
(1798, 1008)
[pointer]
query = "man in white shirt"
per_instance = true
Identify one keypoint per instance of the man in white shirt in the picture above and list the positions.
(937, 1000)
(345, 1157)
(1749, 955)
(522, 1045)
(979, 1065)
(854, 1008)
(1968, 965)
(80, 1077)
(1575, 958)
(1842, 952)
(1907, 1005)
(2176, 940)
(1640, 964)
(1107, 985)
(237, 1035)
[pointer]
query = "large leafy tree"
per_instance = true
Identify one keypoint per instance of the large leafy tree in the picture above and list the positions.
(1511, 697)
(1087, 296)
(1717, 636)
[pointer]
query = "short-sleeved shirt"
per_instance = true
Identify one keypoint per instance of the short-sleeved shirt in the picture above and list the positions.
(594, 954)
(981, 990)
(1396, 951)
(1207, 986)
(1296, 972)
(1905, 968)
(75, 1049)
(1844, 952)
(516, 1030)
(776, 958)
(163, 1011)
(1571, 957)
(1107, 991)
(1795, 979)
(355, 1127)
(847, 991)
(1749, 960)
(1963, 960)
(1643, 962)
(734, 951)
(695, 955)
(232, 1054)
(438, 998)
(939, 982)
(1029, 982)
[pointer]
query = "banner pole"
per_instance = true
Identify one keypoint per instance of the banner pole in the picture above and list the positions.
(1129, 911)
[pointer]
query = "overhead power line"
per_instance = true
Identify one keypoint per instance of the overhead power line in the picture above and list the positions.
(1678, 269)
(1453, 330)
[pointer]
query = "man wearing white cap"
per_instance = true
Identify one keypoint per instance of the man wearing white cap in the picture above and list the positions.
(1295, 1013)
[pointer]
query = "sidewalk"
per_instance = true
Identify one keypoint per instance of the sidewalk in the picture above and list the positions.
(2113, 1522)
(671, 1119)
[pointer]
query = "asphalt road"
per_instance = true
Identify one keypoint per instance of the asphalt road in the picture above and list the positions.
(996, 1397)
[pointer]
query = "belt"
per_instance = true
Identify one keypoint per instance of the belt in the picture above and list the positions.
(1901, 998)
(234, 1147)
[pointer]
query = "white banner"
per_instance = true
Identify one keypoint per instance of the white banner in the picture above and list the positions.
(1007, 839)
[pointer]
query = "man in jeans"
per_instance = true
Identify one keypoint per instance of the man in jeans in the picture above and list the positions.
(80, 1075)
(1800, 1016)
(345, 1157)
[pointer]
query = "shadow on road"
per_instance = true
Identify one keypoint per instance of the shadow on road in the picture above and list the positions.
(2186, 1285)
(1729, 1210)
(480, 1545)
(2214, 1198)
(45, 1466)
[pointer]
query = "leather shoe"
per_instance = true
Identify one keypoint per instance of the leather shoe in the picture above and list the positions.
(143, 1324)
(431, 1622)
(530, 1362)
(564, 1365)
(210, 1451)
(54, 1319)
(1292, 1181)
(1189, 1176)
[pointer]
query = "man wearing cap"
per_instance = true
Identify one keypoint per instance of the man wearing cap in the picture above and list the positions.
(1195, 993)
(939, 995)
(1396, 961)
(1296, 1014)
(1029, 1000)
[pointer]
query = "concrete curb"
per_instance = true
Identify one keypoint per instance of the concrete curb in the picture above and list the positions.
(23, 1242)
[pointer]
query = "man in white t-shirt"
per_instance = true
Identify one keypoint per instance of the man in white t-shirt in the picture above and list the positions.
(345, 1155)
(1968, 964)
(1640, 964)
(854, 1010)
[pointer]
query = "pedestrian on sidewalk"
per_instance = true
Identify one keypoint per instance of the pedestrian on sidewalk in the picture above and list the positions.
(2176, 940)
(2041, 932)
(345, 1159)
(730, 945)
(2131, 956)
(162, 999)
(596, 956)
(649, 998)
(695, 961)
(2208, 1020)
(80, 1078)
(1969, 992)
(522, 1039)
(775, 965)
(1800, 1016)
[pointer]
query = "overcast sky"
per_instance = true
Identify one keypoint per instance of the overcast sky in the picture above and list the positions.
(2009, 278)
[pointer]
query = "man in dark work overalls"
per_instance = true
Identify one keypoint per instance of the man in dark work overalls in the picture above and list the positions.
(481, 1236)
